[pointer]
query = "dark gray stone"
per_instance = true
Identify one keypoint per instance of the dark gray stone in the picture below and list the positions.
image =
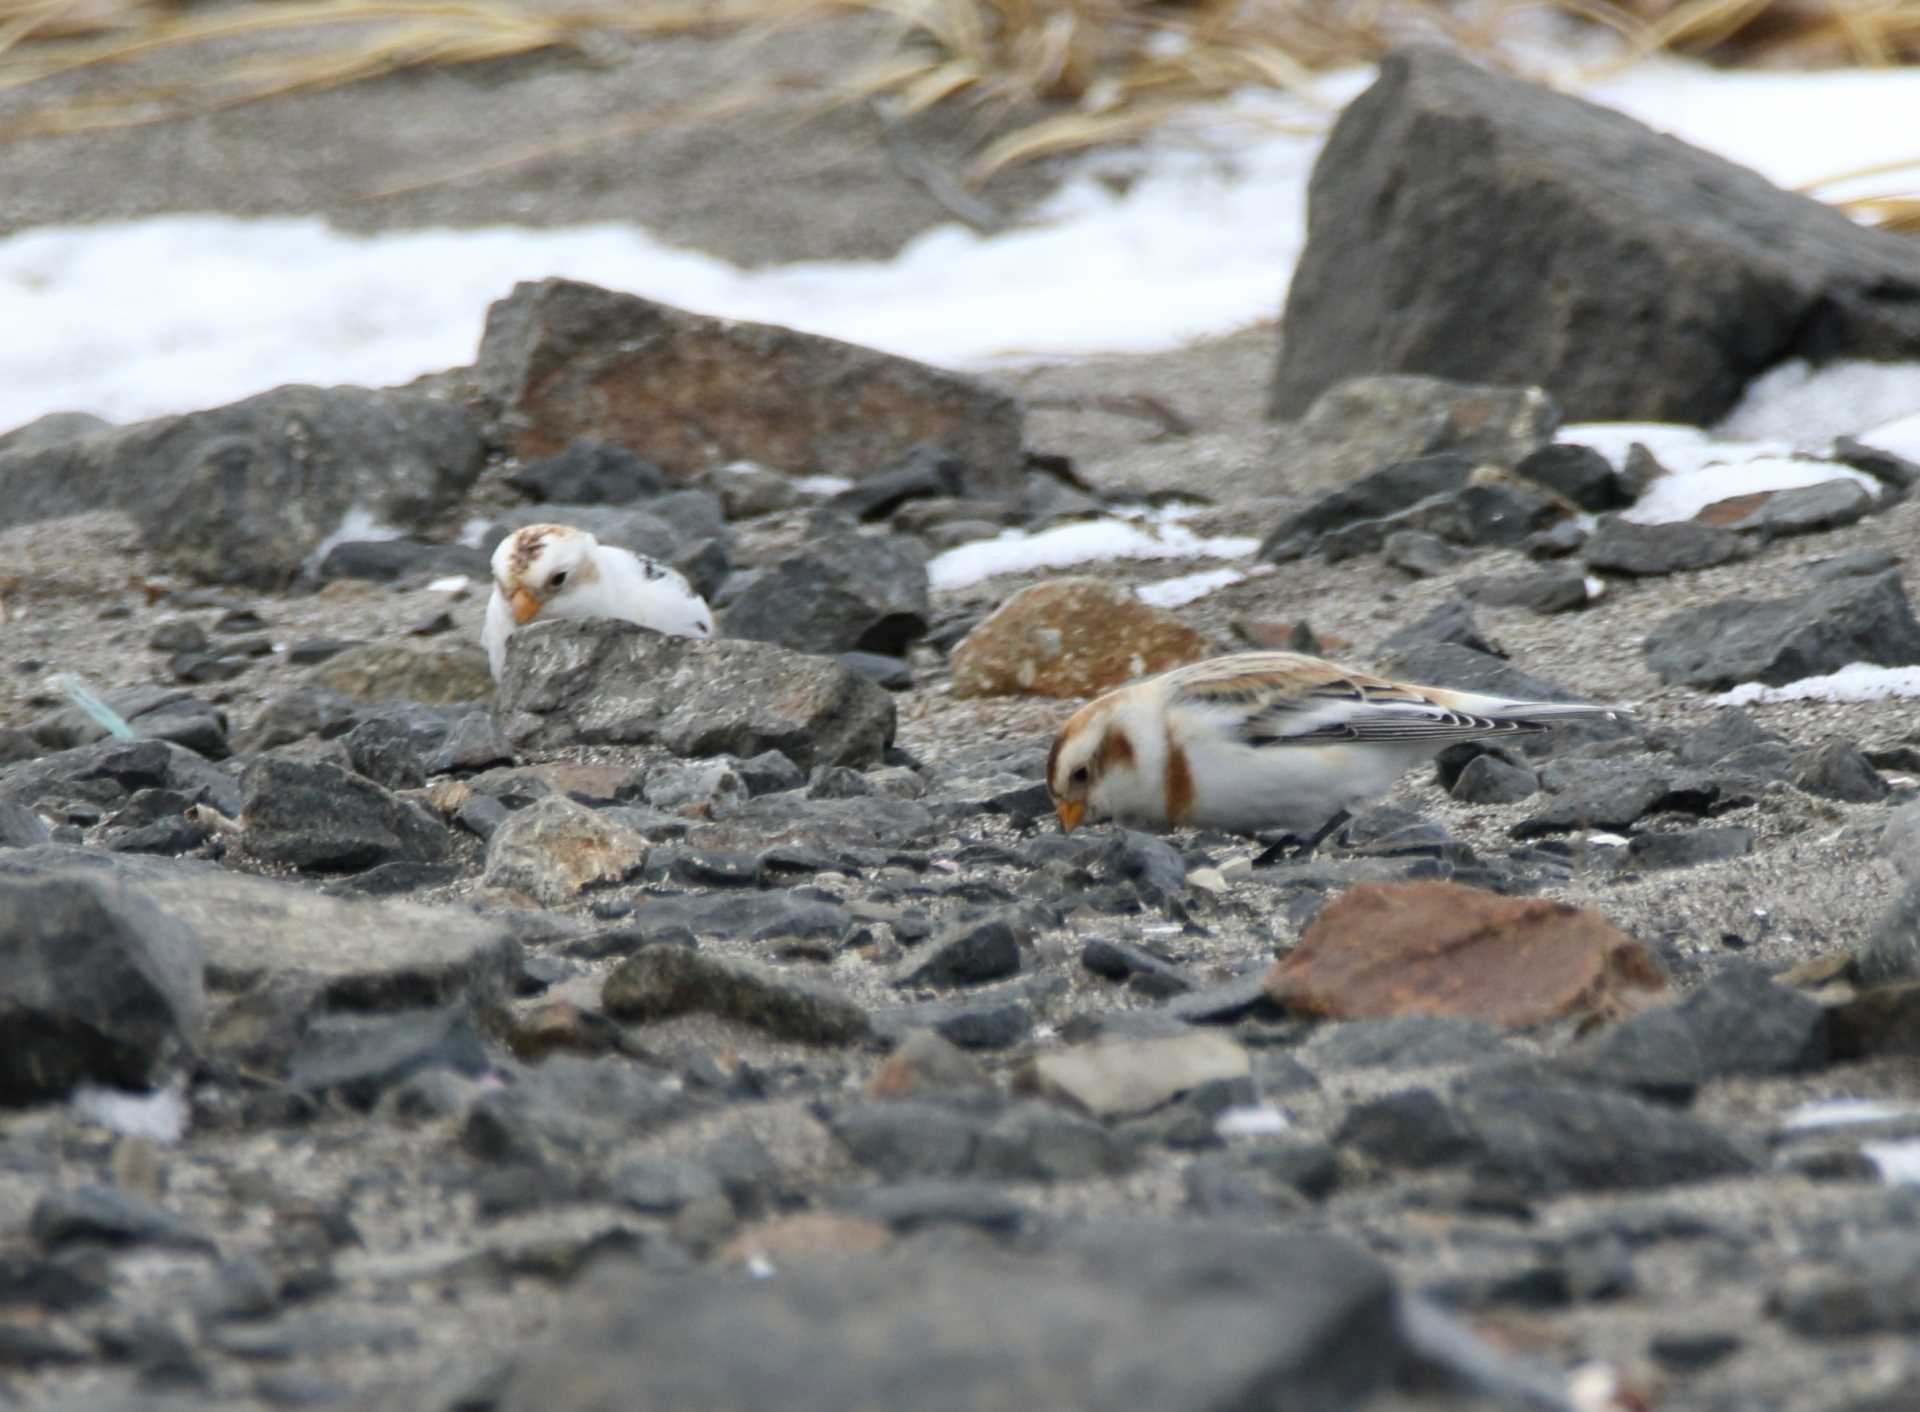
(1175, 1317)
(1730, 730)
(362, 1056)
(1488, 779)
(1548, 1141)
(917, 1205)
(108, 1216)
(1661, 278)
(594, 681)
(841, 593)
(108, 772)
(589, 473)
(1036, 1141)
(1876, 1290)
(1414, 1127)
(1839, 770)
(660, 1186)
(1576, 473)
(693, 515)
(1451, 623)
(246, 492)
(391, 560)
(1895, 472)
(1620, 546)
(908, 1139)
(1152, 866)
(1776, 641)
(20, 827)
(1557, 590)
(567, 1113)
(1421, 554)
(1615, 794)
(893, 673)
(154, 712)
(319, 818)
(969, 954)
(1145, 971)
(1892, 950)
(1690, 848)
(659, 982)
(1371, 498)
(985, 1022)
(95, 986)
(1408, 1042)
(927, 471)
(769, 772)
(1808, 508)
(712, 788)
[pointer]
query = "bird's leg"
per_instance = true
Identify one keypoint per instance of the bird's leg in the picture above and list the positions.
(1292, 849)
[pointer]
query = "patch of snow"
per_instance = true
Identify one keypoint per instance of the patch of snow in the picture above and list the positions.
(1187, 588)
(1807, 407)
(1845, 1113)
(822, 485)
(1252, 1120)
(453, 583)
(1899, 1162)
(1857, 681)
(1902, 437)
(160, 1116)
(1703, 468)
(1086, 541)
(357, 524)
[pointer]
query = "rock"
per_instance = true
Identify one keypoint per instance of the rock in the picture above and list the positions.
(839, 593)
(770, 772)
(1359, 425)
(918, 1205)
(1145, 972)
(1385, 949)
(1070, 638)
(108, 772)
(1409, 1042)
(1166, 1315)
(1452, 625)
(1040, 1143)
(568, 1109)
(1120, 1078)
(594, 681)
(1779, 640)
(362, 1056)
(247, 492)
(110, 1217)
(928, 471)
(1739, 1024)
(566, 360)
(1690, 848)
(95, 987)
(52, 429)
(439, 674)
(925, 1062)
(1372, 498)
(154, 712)
(1624, 547)
(1875, 1291)
(985, 1020)
(1731, 730)
(893, 673)
(1545, 1140)
(555, 849)
(710, 789)
(903, 1139)
(1488, 779)
(1838, 770)
(589, 472)
(1421, 554)
(1775, 514)
(1558, 590)
(1899, 840)
(1892, 950)
(392, 560)
(1577, 474)
(663, 981)
(320, 818)
(968, 954)
(1615, 794)
(1409, 1128)
(1614, 220)
(706, 565)
(20, 827)
(660, 1186)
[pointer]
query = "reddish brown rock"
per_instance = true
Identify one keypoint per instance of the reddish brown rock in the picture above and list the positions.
(1071, 638)
(1436, 948)
(566, 360)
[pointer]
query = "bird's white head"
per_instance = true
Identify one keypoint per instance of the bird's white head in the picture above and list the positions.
(537, 565)
(1090, 749)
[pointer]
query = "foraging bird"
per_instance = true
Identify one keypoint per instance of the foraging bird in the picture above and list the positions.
(1266, 740)
(557, 571)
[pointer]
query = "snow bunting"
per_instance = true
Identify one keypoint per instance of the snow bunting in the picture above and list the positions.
(557, 571)
(1266, 740)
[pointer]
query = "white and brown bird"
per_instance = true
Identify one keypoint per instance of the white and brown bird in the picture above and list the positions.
(557, 571)
(1263, 741)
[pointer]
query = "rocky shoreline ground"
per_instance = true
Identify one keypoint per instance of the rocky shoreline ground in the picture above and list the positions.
(694, 1024)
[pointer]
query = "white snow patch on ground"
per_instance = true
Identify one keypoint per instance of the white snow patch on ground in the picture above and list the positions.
(160, 1116)
(1901, 437)
(1702, 467)
(1807, 407)
(1845, 1113)
(1187, 588)
(1086, 541)
(1858, 681)
(1899, 1162)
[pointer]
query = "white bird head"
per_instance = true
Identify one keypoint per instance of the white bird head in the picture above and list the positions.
(542, 568)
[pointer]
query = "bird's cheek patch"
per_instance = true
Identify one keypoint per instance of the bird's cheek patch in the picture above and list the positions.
(524, 606)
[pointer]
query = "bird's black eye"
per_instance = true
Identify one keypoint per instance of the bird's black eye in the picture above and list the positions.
(559, 577)
(1079, 776)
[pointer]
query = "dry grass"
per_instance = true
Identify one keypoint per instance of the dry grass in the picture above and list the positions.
(1099, 71)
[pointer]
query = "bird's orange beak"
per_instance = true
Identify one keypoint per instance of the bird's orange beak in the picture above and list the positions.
(1071, 812)
(524, 606)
